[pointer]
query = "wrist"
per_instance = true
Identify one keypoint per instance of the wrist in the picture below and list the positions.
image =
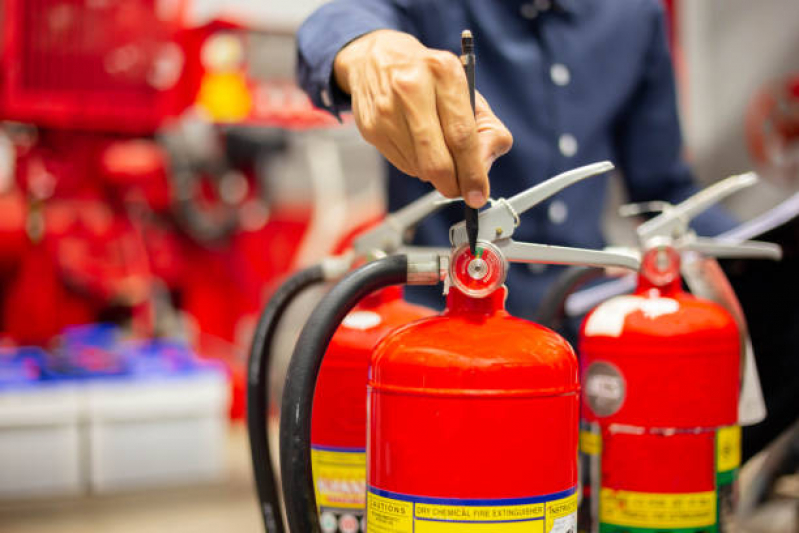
(350, 55)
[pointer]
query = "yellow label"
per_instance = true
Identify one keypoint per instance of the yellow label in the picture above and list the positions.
(339, 478)
(385, 515)
(728, 448)
(590, 442)
(560, 510)
(647, 510)
(408, 514)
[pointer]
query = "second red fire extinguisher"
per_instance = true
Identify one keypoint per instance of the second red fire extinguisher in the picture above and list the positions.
(339, 417)
(661, 373)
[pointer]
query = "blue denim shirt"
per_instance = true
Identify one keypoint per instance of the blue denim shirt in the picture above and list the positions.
(575, 81)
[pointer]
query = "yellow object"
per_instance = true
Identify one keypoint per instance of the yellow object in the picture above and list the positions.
(339, 478)
(590, 442)
(225, 96)
(657, 511)
(728, 448)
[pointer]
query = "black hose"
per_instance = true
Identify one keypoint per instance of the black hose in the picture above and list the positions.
(295, 416)
(258, 393)
(552, 311)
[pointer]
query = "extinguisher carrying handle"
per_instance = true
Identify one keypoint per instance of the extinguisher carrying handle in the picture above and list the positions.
(297, 405)
(725, 250)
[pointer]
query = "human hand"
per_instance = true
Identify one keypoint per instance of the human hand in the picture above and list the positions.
(412, 103)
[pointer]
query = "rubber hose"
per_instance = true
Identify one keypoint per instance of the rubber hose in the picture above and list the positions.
(552, 310)
(258, 393)
(295, 416)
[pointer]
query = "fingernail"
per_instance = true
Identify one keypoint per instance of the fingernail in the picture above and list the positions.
(475, 199)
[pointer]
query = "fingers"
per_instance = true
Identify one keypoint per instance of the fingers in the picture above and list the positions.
(495, 139)
(412, 104)
(459, 127)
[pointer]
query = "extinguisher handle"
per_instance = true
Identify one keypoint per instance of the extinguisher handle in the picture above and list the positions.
(501, 219)
(522, 252)
(392, 233)
(720, 249)
(674, 220)
(537, 194)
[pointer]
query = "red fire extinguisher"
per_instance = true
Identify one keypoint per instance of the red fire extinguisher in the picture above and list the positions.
(339, 417)
(473, 413)
(661, 373)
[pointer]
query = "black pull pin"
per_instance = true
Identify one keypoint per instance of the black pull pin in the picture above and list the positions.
(468, 60)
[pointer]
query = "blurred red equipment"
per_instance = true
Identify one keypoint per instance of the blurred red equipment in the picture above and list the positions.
(103, 65)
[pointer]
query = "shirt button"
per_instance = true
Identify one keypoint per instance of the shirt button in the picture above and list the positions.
(528, 11)
(558, 212)
(567, 144)
(560, 74)
(325, 94)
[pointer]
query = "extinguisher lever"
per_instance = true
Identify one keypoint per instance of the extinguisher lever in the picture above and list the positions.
(391, 234)
(718, 249)
(522, 252)
(674, 220)
(537, 194)
(503, 217)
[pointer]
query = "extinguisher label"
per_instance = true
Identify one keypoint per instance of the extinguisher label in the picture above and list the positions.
(657, 511)
(728, 449)
(607, 510)
(340, 481)
(590, 442)
(389, 512)
(728, 459)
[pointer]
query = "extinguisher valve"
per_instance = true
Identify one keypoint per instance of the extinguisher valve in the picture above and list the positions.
(671, 226)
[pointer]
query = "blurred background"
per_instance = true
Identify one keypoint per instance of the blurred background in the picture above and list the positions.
(160, 172)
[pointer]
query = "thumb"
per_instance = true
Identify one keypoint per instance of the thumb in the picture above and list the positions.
(494, 138)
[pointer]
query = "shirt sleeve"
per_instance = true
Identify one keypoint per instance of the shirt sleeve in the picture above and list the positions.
(648, 138)
(328, 30)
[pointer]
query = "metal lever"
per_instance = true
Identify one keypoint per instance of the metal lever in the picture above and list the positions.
(747, 249)
(676, 219)
(535, 195)
(501, 219)
(390, 234)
